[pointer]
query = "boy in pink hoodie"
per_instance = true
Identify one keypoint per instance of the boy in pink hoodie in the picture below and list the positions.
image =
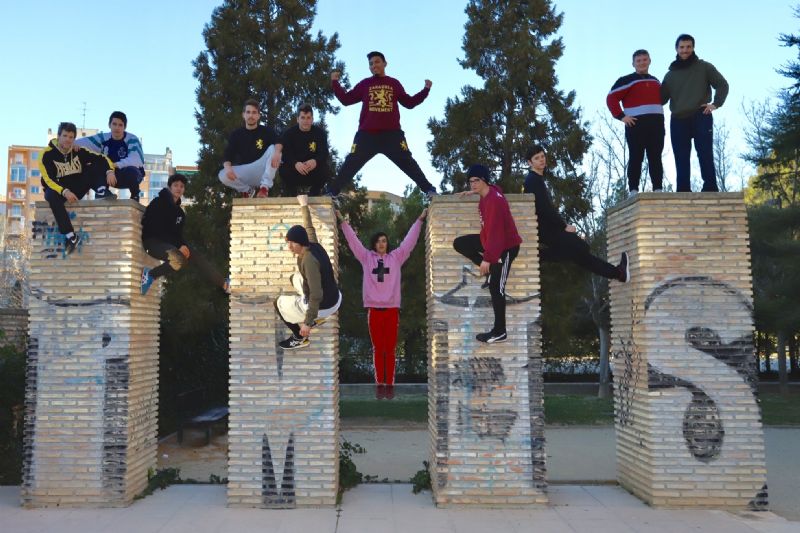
(381, 291)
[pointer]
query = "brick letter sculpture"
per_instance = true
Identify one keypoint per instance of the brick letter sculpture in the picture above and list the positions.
(284, 407)
(486, 411)
(91, 402)
(687, 421)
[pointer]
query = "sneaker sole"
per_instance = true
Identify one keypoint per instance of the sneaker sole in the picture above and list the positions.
(496, 341)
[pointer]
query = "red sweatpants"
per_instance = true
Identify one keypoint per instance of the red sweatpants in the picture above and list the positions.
(383, 332)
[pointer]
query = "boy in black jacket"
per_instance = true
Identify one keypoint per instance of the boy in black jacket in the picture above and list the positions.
(561, 239)
(304, 150)
(68, 172)
(162, 237)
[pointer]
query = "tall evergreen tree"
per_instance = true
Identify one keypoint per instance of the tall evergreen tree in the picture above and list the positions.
(512, 45)
(262, 49)
(776, 148)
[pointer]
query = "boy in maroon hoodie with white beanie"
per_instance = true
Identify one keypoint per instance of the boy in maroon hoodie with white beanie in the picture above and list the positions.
(494, 249)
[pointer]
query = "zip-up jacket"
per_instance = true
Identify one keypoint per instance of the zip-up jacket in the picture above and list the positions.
(319, 283)
(498, 230)
(379, 96)
(164, 219)
(381, 283)
(56, 167)
(640, 94)
(688, 84)
(126, 152)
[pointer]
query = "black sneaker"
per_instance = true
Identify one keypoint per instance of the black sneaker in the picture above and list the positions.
(105, 194)
(624, 268)
(71, 243)
(485, 284)
(293, 343)
(492, 337)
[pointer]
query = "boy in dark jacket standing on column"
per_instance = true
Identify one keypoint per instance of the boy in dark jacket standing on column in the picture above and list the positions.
(304, 151)
(494, 249)
(561, 242)
(162, 237)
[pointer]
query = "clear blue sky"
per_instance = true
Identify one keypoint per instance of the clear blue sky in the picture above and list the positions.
(57, 55)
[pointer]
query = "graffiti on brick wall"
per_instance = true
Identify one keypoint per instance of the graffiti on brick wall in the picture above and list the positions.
(709, 337)
(629, 380)
(536, 403)
(276, 237)
(97, 343)
(272, 494)
(479, 377)
(53, 241)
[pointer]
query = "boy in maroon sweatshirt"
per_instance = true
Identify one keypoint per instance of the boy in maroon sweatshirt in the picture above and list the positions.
(379, 124)
(494, 249)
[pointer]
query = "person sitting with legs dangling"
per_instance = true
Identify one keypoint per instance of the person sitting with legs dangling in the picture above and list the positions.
(162, 238)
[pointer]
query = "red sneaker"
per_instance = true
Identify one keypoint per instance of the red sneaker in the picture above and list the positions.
(262, 192)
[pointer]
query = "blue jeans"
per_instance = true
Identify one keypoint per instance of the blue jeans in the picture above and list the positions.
(699, 127)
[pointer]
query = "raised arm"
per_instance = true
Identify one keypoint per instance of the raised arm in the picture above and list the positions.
(353, 241)
(412, 101)
(407, 246)
(353, 96)
(312, 233)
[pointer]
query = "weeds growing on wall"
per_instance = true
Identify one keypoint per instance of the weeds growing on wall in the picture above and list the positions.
(349, 476)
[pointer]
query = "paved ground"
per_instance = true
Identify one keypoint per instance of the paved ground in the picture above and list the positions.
(575, 454)
(376, 508)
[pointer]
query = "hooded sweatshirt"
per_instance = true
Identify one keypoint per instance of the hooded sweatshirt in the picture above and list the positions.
(687, 86)
(163, 219)
(57, 167)
(381, 283)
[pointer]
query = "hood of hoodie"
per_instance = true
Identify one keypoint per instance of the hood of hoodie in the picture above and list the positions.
(683, 63)
(166, 195)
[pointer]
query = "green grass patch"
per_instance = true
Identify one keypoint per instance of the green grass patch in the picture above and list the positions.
(574, 410)
(780, 410)
(410, 408)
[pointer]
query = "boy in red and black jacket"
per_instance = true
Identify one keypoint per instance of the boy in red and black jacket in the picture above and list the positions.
(494, 249)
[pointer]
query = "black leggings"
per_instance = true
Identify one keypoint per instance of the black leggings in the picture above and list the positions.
(470, 247)
(174, 260)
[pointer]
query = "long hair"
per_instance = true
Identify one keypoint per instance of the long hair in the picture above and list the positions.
(373, 241)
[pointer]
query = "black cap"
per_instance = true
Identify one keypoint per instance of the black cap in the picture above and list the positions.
(298, 234)
(479, 171)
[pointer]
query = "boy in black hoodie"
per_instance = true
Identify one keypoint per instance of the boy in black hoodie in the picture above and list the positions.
(68, 172)
(561, 240)
(162, 237)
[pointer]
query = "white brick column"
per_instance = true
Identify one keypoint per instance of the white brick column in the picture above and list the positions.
(92, 379)
(486, 410)
(688, 424)
(284, 406)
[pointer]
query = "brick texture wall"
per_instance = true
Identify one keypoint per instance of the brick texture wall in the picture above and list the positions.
(688, 422)
(92, 380)
(486, 413)
(284, 406)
